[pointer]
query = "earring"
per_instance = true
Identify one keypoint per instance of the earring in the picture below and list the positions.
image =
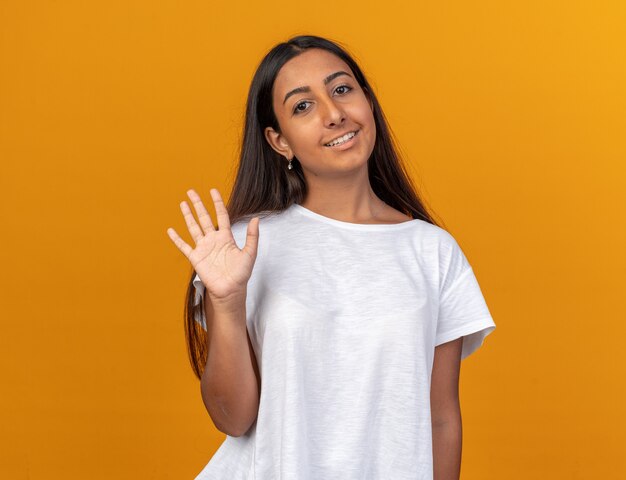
(289, 166)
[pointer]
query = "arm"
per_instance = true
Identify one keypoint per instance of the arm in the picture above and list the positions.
(230, 382)
(446, 411)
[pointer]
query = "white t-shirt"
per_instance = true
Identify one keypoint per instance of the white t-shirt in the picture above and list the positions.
(344, 319)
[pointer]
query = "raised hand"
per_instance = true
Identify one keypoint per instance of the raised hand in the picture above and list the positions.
(222, 266)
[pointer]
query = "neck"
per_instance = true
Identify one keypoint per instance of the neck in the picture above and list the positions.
(349, 199)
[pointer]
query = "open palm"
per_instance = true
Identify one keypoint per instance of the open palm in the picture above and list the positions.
(222, 266)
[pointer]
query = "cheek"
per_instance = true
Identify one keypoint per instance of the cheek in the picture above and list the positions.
(368, 121)
(370, 124)
(365, 114)
(304, 139)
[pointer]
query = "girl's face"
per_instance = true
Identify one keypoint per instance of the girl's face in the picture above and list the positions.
(317, 101)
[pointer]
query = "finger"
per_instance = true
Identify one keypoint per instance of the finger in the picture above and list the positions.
(203, 216)
(252, 238)
(179, 242)
(223, 220)
(194, 229)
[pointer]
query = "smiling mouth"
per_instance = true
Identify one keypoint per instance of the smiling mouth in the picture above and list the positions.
(341, 140)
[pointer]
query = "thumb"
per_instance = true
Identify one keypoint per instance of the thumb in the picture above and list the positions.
(252, 237)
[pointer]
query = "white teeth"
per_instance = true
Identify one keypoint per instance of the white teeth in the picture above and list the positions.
(341, 140)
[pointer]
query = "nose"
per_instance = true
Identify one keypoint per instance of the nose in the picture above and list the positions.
(333, 113)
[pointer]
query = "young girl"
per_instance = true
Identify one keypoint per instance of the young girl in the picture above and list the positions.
(327, 314)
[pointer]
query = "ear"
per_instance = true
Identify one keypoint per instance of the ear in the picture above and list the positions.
(278, 142)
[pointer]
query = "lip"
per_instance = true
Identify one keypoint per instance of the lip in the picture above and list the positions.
(347, 144)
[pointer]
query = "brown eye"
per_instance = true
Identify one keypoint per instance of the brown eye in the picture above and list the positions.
(298, 110)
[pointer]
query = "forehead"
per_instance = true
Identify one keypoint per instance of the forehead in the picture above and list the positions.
(308, 68)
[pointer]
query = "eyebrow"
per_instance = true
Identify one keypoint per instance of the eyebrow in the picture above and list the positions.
(306, 88)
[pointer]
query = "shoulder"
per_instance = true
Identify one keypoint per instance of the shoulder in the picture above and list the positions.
(438, 247)
(430, 232)
(447, 246)
(436, 236)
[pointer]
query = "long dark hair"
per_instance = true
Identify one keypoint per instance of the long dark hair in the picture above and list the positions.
(263, 184)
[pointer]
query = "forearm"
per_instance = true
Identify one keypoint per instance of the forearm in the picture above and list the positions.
(447, 441)
(229, 384)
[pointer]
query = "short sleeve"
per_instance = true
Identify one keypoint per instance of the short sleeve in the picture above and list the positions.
(198, 297)
(463, 311)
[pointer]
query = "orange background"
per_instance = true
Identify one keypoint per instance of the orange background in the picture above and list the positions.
(512, 117)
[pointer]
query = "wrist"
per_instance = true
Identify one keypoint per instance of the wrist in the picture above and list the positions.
(232, 303)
